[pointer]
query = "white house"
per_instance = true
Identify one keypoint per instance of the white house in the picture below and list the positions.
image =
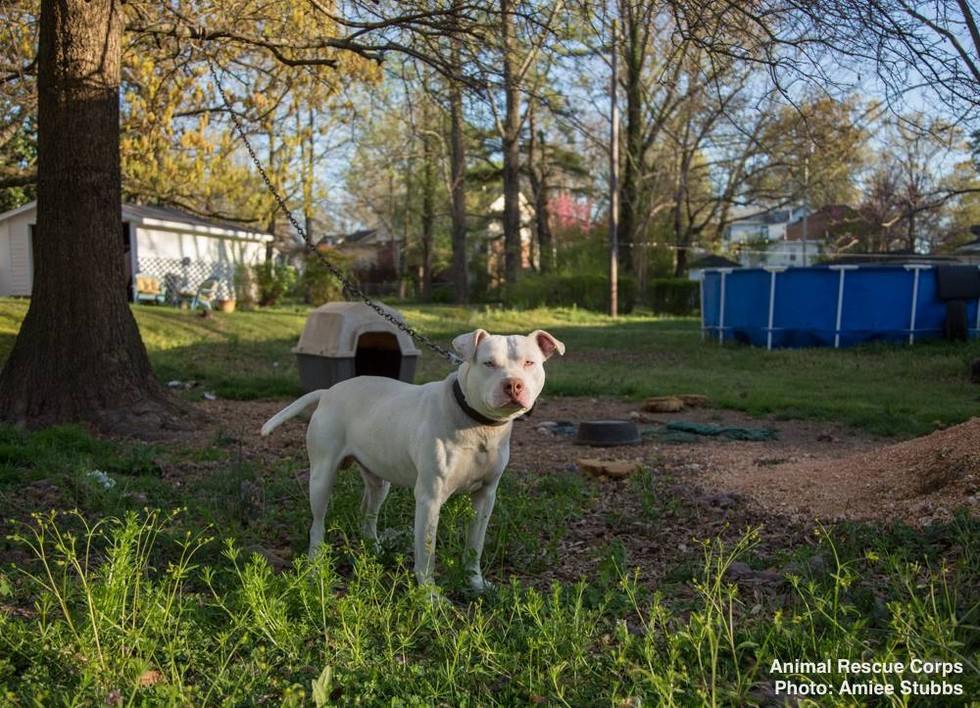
(757, 223)
(495, 238)
(773, 237)
(179, 249)
(970, 252)
(711, 261)
(794, 252)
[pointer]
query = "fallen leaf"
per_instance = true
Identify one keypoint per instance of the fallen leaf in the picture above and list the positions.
(150, 677)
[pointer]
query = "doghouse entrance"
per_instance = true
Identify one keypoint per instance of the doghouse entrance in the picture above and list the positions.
(378, 354)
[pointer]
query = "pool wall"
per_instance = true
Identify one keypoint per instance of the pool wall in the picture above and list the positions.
(825, 306)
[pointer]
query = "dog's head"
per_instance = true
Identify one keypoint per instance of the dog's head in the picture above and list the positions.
(502, 375)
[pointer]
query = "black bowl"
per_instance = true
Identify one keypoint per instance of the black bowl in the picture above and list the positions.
(606, 433)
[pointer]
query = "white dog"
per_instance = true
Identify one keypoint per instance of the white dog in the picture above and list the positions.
(439, 438)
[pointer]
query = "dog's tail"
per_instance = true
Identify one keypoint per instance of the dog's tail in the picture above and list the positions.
(293, 409)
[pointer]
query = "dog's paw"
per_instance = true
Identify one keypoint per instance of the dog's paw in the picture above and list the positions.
(479, 585)
(433, 595)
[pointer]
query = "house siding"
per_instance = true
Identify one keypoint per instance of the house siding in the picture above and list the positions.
(5, 273)
(156, 250)
(21, 259)
(161, 253)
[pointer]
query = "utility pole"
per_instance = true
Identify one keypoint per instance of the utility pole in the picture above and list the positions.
(806, 196)
(614, 180)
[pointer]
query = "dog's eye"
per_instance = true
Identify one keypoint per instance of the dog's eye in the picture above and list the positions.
(490, 365)
(528, 364)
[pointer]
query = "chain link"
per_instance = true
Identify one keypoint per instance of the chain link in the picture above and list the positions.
(350, 288)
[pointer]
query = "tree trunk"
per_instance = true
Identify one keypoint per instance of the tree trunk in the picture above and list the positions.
(537, 170)
(630, 199)
(680, 266)
(512, 157)
(79, 356)
(428, 214)
(458, 176)
(272, 224)
(910, 234)
(681, 231)
(309, 165)
(406, 229)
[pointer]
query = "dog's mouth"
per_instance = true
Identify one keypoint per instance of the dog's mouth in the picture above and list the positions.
(512, 405)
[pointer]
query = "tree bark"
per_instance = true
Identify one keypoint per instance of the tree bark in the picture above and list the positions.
(681, 230)
(511, 149)
(428, 213)
(631, 197)
(79, 356)
(457, 158)
(537, 170)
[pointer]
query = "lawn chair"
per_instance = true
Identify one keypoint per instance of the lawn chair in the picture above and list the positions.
(205, 296)
(148, 289)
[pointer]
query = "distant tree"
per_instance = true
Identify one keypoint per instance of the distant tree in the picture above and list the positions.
(813, 151)
(879, 206)
(912, 47)
(18, 104)
(913, 186)
(78, 355)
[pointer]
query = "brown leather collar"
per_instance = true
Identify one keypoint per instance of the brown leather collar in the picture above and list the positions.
(472, 413)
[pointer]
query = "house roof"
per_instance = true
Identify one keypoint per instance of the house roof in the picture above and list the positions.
(713, 261)
(359, 235)
(144, 212)
(970, 247)
(903, 257)
(756, 214)
(10, 213)
(830, 221)
(171, 218)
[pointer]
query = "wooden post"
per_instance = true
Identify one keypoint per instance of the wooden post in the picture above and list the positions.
(614, 180)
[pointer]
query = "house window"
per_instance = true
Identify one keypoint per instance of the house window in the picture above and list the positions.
(792, 256)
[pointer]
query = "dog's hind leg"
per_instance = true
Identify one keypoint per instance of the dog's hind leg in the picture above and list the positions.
(375, 491)
(324, 461)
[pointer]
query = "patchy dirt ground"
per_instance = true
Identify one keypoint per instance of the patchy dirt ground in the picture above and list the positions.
(917, 481)
(657, 516)
(811, 471)
(685, 491)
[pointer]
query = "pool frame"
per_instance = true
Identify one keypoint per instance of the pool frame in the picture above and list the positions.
(923, 320)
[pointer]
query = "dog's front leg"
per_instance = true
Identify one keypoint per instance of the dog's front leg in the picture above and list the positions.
(428, 503)
(483, 500)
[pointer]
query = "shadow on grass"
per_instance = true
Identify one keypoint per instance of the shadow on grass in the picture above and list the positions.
(232, 368)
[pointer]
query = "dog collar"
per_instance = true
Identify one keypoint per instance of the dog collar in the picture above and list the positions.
(471, 412)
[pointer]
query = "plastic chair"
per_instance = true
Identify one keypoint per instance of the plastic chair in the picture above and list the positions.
(205, 295)
(148, 289)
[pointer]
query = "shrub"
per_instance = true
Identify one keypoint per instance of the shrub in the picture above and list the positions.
(244, 286)
(273, 282)
(673, 296)
(317, 283)
(588, 291)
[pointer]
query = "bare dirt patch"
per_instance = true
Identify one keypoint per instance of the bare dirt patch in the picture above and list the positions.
(657, 517)
(813, 471)
(918, 481)
(689, 491)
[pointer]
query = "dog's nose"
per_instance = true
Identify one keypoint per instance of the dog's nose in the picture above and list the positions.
(513, 388)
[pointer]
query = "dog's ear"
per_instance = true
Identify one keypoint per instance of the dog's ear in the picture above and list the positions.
(467, 344)
(547, 343)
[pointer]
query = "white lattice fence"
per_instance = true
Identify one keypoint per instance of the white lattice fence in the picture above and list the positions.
(186, 275)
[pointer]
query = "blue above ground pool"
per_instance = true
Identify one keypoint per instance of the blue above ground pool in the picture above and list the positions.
(839, 305)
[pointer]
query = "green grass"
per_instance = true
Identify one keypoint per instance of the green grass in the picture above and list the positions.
(165, 578)
(887, 390)
(236, 632)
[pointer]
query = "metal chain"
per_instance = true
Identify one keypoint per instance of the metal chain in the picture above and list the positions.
(350, 288)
